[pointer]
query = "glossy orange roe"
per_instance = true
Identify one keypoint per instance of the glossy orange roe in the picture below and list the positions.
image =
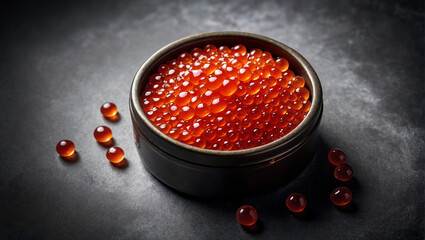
(65, 148)
(343, 172)
(341, 196)
(226, 98)
(115, 154)
(246, 215)
(109, 109)
(102, 134)
(296, 202)
(336, 156)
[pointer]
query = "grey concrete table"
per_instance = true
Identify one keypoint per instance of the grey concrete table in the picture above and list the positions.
(61, 61)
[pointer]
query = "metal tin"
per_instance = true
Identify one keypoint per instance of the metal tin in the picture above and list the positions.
(212, 173)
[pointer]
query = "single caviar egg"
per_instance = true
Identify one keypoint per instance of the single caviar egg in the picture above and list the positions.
(244, 74)
(296, 202)
(115, 154)
(216, 80)
(65, 148)
(185, 58)
(218, 105)
(109, 109)
(182, 99)
(337, 156)
(246, 215)
(187, 113)
(225, 98)
(341, 196)
(282, 64)
(302, 93)
(343, 172)
(202, 110)
(102, 134)
(228, 87)
(298, 82)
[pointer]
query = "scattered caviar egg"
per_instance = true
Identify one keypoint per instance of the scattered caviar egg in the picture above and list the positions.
(341, 196)
(337, 156)
(102, 134)
(296, 202)
(235, 95)
(65, 148)
(109, 110)
(115, 154)
(343, 172)
(246, 215)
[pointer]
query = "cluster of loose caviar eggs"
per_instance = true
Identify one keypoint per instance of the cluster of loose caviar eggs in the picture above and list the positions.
(102, 134)
(343, 172)
(296, 202)
(225, 98)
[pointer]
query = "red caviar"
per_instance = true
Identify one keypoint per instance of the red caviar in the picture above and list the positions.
(343, 172)
(102, 134)
(115, 154)
(109, 109)
(65, 148)
(337, 156)
(246, 215)
(341, 196)
(296, 202)
(226, 98)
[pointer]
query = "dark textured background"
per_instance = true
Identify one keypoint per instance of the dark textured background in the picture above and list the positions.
(60, 61)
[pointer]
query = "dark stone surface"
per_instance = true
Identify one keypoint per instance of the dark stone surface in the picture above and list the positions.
(60, 61)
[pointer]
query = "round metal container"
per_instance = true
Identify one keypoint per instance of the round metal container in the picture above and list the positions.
(212, 173)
